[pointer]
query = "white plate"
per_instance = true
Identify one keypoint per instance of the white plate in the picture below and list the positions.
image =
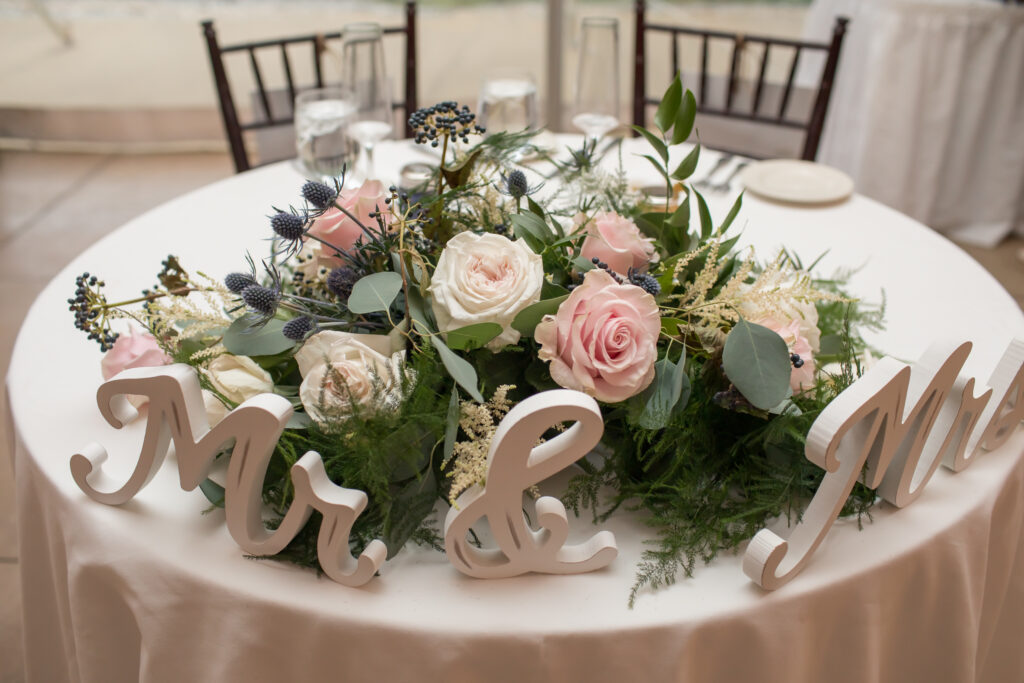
(802, 182)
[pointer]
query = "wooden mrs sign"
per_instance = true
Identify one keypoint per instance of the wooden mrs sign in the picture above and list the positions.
(893, 426)
(176, 413)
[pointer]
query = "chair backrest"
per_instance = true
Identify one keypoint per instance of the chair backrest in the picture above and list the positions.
(725, 101)
(273, 111)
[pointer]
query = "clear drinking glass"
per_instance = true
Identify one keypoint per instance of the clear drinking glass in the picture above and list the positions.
(596, 105)
(322, 116)
(508, 101)
(363, 72)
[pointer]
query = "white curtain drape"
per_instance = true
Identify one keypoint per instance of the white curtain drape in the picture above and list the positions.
(927, 114)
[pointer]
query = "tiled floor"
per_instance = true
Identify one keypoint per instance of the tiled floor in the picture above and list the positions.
(51, 206)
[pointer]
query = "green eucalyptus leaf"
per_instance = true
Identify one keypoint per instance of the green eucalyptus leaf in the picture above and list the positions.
(527, 319)
(533, 225)
(661, 169)
(670, 326)
(413, 503)
(374, 292)
(213, 491)
(671, 387)
(669, 106)
(654, 141)
(451, 426)
(666, 279)
(472, 336)
(549, 290)
(756, 361)
(732, 214)
(535, 208)
(242, 338)
(706, 226)
(680, 218)
(582, 264)
(648, 224)
(684, 118)
(298, 421)
(459, 368)
(688, 165)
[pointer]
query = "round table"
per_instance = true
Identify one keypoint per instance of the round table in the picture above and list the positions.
(155, 590)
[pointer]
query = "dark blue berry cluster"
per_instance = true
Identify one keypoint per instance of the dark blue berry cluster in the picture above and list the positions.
(644, 281)
(796, 360)
(606, 268)
(87, 305)
(444, 119)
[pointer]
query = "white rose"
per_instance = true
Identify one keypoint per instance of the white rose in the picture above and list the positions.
(238, 377)
(351, 374)
(215, 409)
(316, 349)
(485, 279)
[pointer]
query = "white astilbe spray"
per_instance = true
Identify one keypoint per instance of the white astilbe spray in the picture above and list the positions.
(478, 422)
(771, 291)
(173, 319)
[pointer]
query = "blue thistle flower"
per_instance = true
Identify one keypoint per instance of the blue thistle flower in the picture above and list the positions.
(263, 300)
(296, 329)
(319, 195)
(288, 225)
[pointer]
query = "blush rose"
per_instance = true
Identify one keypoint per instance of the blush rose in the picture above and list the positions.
(801, 378)
(485, 279)
(603, 339)
(132, 351)
(616, 240)
(338, 230)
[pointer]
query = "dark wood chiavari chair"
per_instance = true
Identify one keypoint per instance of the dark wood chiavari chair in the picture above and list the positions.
(273, 112)
(755, 112)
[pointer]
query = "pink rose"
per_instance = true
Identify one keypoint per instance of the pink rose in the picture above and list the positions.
(132, 351)
(603, 339)
(802, 378)
(337, 229)
(618, 242)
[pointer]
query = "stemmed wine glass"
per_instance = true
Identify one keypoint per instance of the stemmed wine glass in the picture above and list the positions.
(596, 106)
(363, 72)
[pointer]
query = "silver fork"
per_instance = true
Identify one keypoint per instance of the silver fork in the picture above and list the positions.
(719, 165)
(726, 185)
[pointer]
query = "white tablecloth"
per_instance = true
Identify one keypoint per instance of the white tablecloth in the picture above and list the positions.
(927, 114)
(157, 591)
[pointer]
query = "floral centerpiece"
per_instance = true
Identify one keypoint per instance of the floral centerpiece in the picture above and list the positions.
(403, 324)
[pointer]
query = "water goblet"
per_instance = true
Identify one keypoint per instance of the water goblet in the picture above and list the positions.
(596, 104)
(322, 116)
(364, 73)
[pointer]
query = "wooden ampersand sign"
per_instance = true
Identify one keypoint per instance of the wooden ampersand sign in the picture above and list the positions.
(176, 413)
(514, 464)
(895, 424)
